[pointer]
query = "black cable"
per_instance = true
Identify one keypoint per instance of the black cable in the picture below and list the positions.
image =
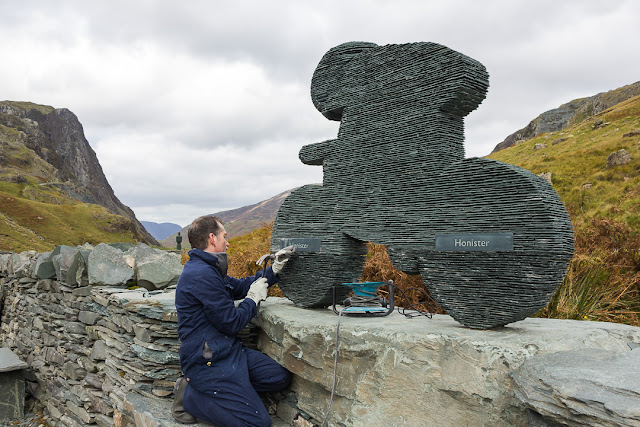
(411, 306)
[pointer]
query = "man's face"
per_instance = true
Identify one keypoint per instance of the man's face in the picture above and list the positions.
(219, 243)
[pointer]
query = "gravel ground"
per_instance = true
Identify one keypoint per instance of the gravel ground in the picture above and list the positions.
(29, 420)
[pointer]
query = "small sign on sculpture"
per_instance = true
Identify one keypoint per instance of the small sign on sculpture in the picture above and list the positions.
(487, 242)
(302, 245)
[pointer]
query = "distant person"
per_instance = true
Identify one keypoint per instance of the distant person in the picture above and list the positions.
(222, 375)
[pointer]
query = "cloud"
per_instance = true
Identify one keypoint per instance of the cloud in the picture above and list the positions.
(202, 106)
(155, 172)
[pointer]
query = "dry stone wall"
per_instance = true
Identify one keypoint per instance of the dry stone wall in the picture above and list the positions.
(97, 327)
(89, 347)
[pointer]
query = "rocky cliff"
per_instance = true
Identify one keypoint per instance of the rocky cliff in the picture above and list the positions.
(64, 158)
(570, 114)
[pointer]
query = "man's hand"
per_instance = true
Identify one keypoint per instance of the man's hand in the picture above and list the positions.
(258, 290)
(281, 257)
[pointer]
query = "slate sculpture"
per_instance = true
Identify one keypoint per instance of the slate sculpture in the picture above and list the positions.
(491, 241)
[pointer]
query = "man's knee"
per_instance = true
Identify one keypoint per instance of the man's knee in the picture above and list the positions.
(272, 380)
(265, 373)
(286, 377)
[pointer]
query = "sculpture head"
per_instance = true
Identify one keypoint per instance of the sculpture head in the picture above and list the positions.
(332, 85)
(359, 74)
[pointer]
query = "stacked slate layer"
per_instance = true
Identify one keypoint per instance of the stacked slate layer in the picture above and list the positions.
(396, 175)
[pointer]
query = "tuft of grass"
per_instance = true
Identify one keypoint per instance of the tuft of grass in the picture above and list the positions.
(245, 250)
(591, 292)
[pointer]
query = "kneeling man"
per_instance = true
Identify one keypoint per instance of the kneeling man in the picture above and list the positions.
(222, 375)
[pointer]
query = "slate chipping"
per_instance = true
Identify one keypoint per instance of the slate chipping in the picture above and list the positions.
(396, 175)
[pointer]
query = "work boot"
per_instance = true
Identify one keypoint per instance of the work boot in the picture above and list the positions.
(177, 410)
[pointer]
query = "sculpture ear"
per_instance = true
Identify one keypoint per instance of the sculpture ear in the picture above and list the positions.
(332, 83)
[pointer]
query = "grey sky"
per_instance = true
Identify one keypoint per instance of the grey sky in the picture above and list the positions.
(201, 106)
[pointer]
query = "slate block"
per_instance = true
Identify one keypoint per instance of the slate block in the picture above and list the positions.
(44, 268)
(12, 391)
(12, 385)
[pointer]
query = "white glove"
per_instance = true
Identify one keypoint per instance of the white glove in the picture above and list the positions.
(281, 257)
(258, 290)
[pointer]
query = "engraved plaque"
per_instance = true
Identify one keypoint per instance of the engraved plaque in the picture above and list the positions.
(483, 242)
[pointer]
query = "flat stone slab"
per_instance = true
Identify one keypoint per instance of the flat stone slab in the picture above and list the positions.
(159, 305)
(587, 387)
(389, 366)
(12, 386)
(9, 361)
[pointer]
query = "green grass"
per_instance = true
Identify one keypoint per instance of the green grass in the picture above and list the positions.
(590, 291)
(27, 224)
(579, 162)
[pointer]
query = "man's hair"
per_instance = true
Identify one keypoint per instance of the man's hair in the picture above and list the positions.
(200, 228)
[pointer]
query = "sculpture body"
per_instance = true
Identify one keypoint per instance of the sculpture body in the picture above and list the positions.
(396, 175)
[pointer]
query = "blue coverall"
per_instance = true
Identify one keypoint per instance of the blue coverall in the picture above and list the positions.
(222, 387)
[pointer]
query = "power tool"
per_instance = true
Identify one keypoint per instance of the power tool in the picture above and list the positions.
(365, 300)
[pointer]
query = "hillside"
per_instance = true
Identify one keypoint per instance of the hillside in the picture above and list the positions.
(52, 188)
(577, 160)
(241, 220)
(570, 114)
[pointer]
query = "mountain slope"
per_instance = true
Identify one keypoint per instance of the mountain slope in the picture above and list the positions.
(570, 114)
(46, 163)
(603, 200)
(577, 156)
(28, 224)
(241, 220)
